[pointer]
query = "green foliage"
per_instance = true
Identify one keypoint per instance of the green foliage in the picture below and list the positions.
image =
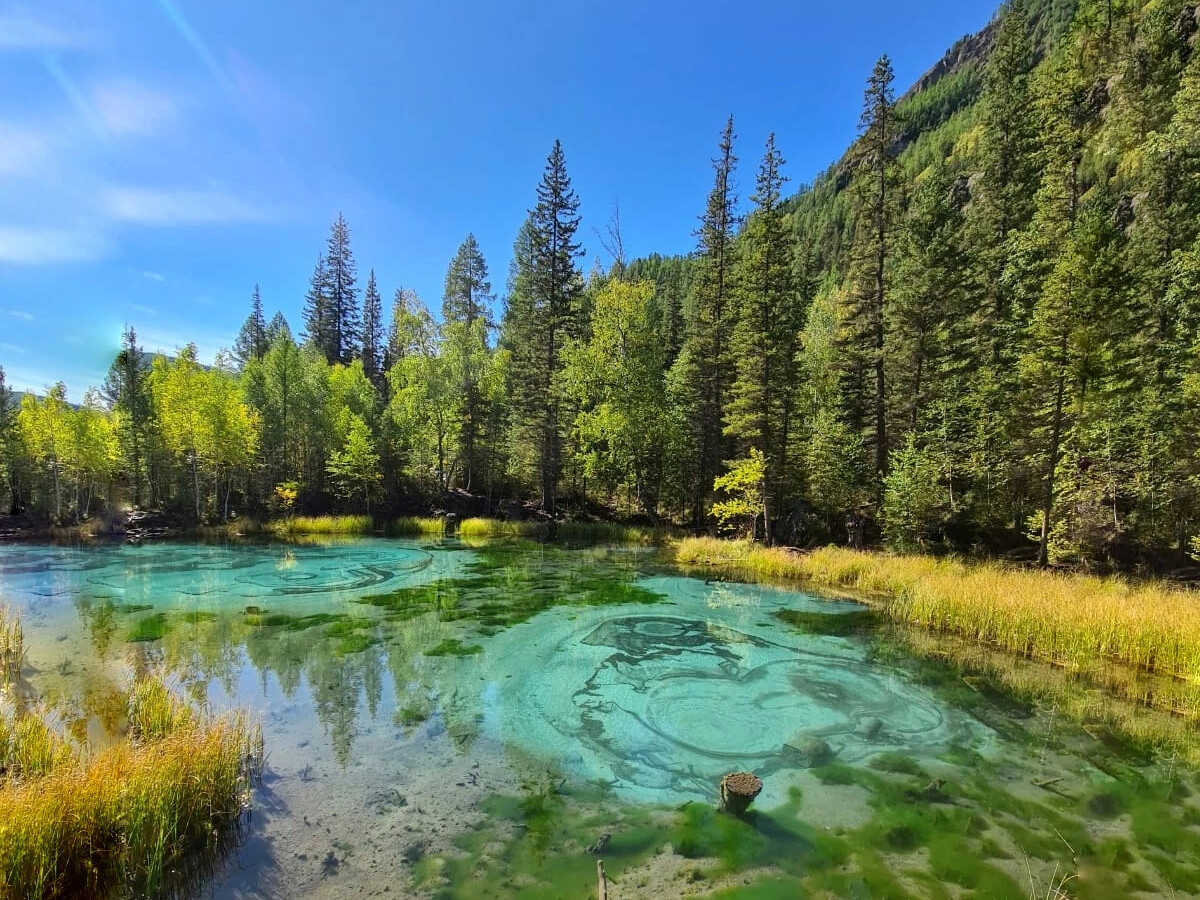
(913, 499)
(744, 490)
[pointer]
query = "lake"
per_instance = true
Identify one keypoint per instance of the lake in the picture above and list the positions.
(445, 719)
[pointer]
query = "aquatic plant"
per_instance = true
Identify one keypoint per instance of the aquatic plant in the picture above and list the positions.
(143, 815)
(1065, 619)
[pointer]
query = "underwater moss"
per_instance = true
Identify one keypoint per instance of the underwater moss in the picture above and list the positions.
(454, 647)
(149, 628)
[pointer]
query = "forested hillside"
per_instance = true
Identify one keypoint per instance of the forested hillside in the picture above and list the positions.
(978, 329)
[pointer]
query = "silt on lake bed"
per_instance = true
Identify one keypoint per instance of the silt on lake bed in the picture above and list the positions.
(445, 720)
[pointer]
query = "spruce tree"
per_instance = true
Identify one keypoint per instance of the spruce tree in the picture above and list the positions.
(763, 344)
(876, 192)
(372, 332)
(318, 313)
(252, 340)
(466, 316)
(468, 293)
(706, 350)
(546, 304)
(127, 391)
(340, 278)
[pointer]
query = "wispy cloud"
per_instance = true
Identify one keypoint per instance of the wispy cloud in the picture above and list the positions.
(41, 246)
(144, 310)
(21, 314)
(21, 31)
(153, 276)
(127, 108)
(22, 148)
(13, 348)
(182, 206)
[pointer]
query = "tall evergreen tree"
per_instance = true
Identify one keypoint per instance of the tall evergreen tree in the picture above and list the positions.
(341, 275)
(763, 344)
(467, 322)
(372, 332)
(127, 392)
(468, 293)
(546, 304)
(318, 313)
(252, 340)
(706, 359)
(876, 191)
(332, 320)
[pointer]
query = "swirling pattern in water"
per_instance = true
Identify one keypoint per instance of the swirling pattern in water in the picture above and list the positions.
(676, 702)
(154, 572)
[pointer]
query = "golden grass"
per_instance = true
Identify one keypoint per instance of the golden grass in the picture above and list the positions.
(12, 649)
(608, 532)
(136, 817)
(1071, 620)
(322, 525)
(416, 526)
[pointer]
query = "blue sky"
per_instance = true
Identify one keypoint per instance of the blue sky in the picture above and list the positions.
(160, 157)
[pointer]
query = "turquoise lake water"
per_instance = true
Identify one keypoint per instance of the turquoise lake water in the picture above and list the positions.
(460, 721)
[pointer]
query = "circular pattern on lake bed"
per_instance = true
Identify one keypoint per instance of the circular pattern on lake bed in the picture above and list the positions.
(155, 573)
(665, 705)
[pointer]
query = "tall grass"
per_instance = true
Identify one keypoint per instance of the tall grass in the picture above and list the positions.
(1070, 620)
(12, 649)
(416, 526)
(138, 817)
(322, 525)
(609, 532)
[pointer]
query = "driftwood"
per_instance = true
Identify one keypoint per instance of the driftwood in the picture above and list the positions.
(601, 880)
(738, 791)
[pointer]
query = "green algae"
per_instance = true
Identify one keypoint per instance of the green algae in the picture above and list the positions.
(837, 624)
(148, 628)
(454, 647)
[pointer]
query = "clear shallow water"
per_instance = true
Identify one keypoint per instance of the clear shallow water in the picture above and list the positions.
(464, 721)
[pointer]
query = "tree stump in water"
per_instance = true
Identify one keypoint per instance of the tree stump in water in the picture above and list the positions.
(738, 791)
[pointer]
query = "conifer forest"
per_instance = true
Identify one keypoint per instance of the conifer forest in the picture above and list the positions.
(977, 330)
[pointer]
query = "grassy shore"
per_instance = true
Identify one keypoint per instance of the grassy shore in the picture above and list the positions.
(141, 816)
(1068, 620)
(610, 532)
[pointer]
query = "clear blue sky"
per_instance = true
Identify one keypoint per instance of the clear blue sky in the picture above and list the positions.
(160, 157)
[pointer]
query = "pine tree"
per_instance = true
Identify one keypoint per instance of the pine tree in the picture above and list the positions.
(545, 311)
(866, 321)
(126, 390)
(468, 293)
(763, 341)
(372, 332)
(252, 340)
(318, 313)
(340, 277)
(466, 316)
(710, 323)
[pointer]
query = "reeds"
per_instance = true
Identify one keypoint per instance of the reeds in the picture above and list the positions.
(141, 816)
(1070, 620)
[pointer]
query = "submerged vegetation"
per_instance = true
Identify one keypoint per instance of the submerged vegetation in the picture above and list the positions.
(146, 814)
